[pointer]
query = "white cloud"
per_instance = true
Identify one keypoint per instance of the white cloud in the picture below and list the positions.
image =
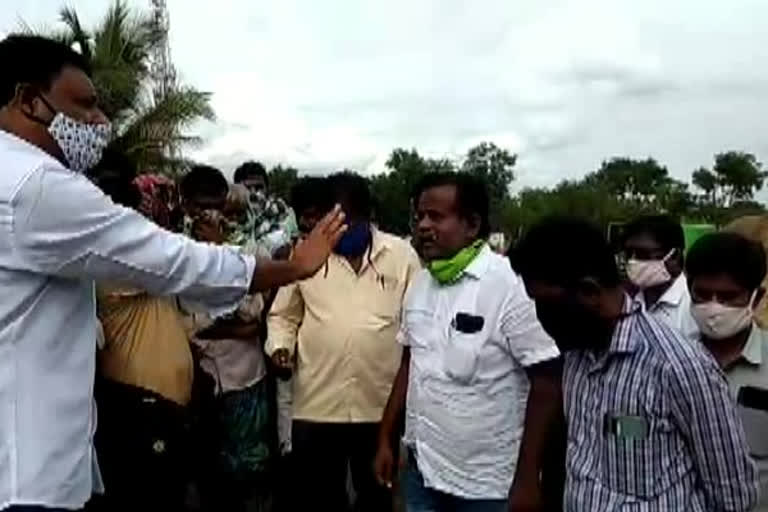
(340, 83)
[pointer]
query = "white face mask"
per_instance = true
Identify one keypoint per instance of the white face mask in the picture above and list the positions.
(81, 143)
(717, 321)
(649, 273)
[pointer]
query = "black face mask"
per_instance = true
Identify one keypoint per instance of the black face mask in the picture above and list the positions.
(572, 326)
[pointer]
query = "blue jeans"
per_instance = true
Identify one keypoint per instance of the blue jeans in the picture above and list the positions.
(419, 498)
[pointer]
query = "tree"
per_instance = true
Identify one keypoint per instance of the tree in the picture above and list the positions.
(147, 129)
(707, 182)
(495, 166)
(281, 180)
(736, 176)
(393, 191)
(633, 180)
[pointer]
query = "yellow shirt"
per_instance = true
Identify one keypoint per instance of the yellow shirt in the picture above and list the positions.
(755, 228)
(145, 343)
(342, 326)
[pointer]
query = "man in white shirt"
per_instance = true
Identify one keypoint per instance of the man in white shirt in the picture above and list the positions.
(59, 233)
(478, 370)
(654, 248)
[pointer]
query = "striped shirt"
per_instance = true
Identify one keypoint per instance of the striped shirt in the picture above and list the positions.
(652, 426)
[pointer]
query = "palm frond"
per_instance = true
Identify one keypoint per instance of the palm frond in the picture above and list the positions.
(157, 131)
(78, 34)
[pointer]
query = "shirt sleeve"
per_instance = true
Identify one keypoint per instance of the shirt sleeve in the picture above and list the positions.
(705, 413)
(284, 319)
(526, 339)
(66, 227)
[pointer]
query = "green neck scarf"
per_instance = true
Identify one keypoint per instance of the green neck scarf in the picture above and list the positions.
(447, 272)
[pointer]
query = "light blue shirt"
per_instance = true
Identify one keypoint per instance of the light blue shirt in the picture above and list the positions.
(58, 234)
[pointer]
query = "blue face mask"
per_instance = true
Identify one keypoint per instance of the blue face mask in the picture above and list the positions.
(355, 240)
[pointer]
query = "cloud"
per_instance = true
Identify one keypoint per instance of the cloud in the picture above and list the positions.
(566, 84)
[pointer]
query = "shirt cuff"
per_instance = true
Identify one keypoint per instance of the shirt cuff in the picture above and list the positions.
(250, 268)
(539, 356)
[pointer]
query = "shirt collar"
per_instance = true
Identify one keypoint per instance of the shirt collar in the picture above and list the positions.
(676, 292)
(478, 267)
(622, 341)
(753, 348)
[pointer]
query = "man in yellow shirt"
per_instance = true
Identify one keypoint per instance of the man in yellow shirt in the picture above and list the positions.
(341, 325)
(145, 380)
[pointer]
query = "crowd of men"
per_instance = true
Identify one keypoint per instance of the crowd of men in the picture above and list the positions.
(249, 354)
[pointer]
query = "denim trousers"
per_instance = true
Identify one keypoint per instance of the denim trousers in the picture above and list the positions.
(419, 498)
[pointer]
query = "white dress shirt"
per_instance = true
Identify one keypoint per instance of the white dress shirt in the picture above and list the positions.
(467, 392)
(674, 309)
(58, 234)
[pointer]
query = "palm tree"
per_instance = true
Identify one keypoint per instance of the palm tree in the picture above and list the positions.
(148, 126)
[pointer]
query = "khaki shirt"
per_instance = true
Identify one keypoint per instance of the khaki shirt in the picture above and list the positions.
(145, 344)
(342, 326)
(755, 228)
(752, 370)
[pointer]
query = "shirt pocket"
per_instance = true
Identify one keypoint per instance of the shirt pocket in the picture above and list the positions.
(461, 356)
(755, 423)
(420, 329)
(636, 466)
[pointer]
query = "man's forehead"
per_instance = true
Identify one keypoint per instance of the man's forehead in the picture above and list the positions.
(643, 240)
(440, 197)
(73, 83)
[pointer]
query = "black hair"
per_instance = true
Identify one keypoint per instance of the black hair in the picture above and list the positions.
(310, 192)
(114, 175)
(666, 230)
(564, 250)
(251, 169)
(114, 163)
(203, 179)
(727, 253)
(34, 60)
(351, 190)
(471, 195)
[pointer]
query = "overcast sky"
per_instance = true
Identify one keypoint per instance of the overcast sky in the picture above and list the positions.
(565, 84)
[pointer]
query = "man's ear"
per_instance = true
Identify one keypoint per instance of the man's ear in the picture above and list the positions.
(675, 263)
(474, 223)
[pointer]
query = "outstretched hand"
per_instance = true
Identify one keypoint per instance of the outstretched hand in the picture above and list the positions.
(312, 252)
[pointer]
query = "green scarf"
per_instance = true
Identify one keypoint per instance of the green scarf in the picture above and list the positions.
(449, 271)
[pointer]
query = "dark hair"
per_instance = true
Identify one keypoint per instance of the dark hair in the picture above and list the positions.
(203, 179)
(563, 250)
(471, 195)
(249, 170)
(351, 190)
(34, 60)
(727, 253)
(114, 163)
(309, 192)
(666, 230)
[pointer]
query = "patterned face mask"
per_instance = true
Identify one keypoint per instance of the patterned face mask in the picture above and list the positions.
(81, 143)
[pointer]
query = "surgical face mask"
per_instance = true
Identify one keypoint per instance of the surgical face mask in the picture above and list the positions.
(81, 143)
(718, 322)
(649, 273)
(355, 241)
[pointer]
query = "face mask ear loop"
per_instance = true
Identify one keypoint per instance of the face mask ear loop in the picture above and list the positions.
(38, 120)
(669, 255)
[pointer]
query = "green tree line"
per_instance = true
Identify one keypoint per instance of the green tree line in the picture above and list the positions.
(622, 188)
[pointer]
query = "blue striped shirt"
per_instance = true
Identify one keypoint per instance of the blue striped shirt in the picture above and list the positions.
(686, 450)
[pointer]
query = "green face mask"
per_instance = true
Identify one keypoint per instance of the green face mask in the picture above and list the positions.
(449, 271)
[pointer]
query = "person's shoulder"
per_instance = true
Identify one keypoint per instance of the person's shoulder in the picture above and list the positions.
(397, 245)
(21, 160)
(498, 269)
(672, 347)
